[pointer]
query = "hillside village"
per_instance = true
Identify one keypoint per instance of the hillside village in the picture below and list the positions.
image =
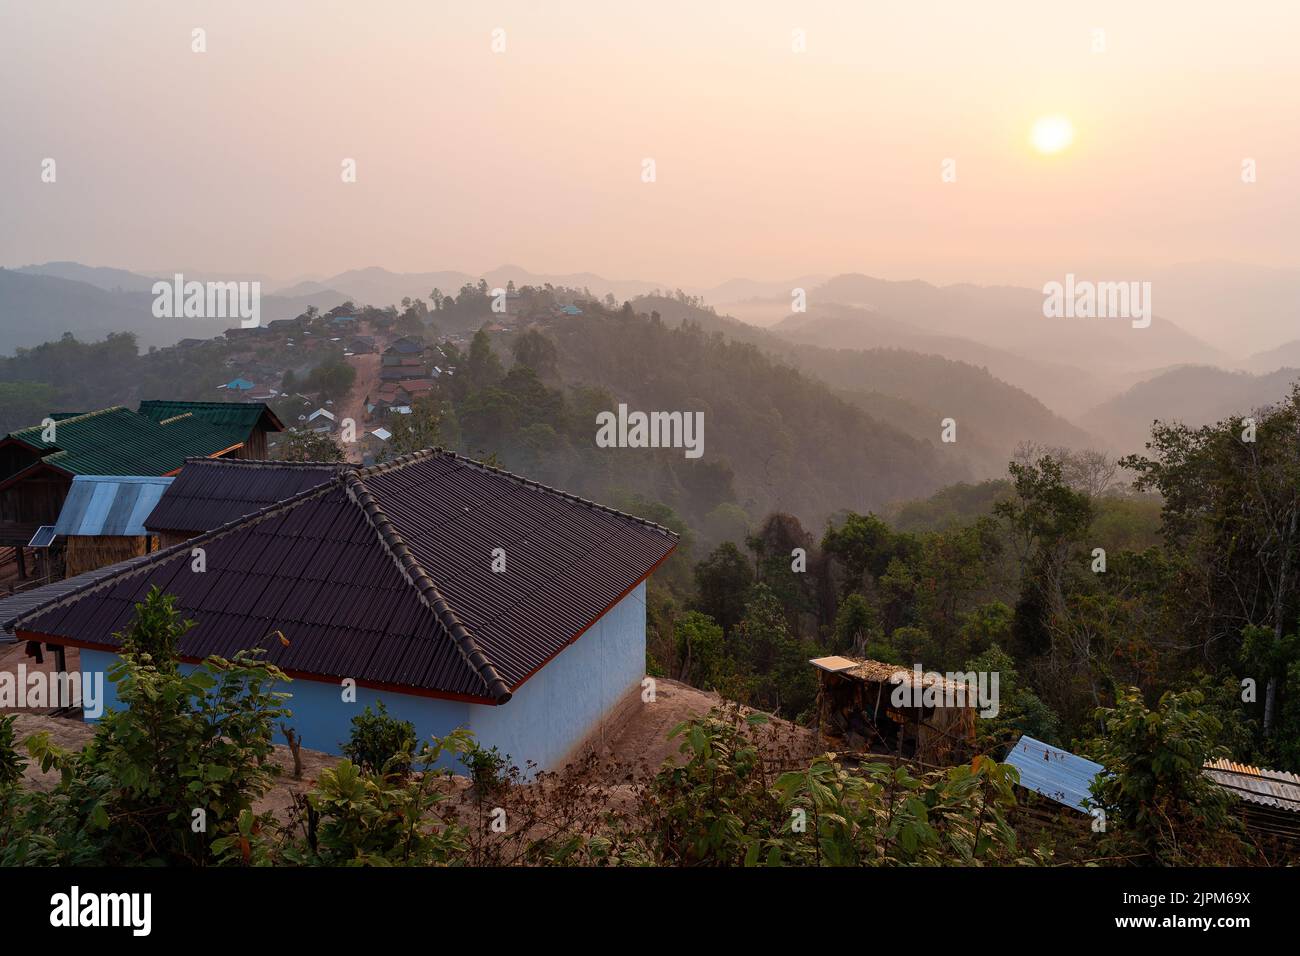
(550, 644)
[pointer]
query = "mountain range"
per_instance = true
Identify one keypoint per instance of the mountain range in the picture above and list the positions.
(906, 351)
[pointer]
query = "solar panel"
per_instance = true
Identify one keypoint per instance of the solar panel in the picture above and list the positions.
(43, 537)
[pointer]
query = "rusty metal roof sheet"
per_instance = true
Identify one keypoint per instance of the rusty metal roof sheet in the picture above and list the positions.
(1270, 788)
(386, 576)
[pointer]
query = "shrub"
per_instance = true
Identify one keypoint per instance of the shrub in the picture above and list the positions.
(173, 770)
(379, 743)
(358, 818)
(487, 767)
(1159, 806)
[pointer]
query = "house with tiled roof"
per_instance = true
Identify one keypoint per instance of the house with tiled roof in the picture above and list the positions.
(211, 492)
(38, 463)
(458, 594)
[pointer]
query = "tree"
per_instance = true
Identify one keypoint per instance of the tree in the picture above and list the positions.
(723, 580)
(536, 351)
(182, 748)
(856, 625)
(297, 445)
(1232, 519)
(1156, 800)
(701, 649)
(782, 680)
(483, 368)
(421, 429)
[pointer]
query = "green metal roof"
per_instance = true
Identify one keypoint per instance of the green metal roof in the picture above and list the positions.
(245, 415)
(118, 441)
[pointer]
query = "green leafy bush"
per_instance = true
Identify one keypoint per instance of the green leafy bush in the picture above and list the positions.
(380, 743)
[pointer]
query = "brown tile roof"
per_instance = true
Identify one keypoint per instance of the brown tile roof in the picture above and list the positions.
(385, 576)
(211, 492)
(416, 385)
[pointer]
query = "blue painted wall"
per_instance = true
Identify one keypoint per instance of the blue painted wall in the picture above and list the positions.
(547, 717)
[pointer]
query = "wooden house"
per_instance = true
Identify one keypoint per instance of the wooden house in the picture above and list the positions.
(39, 463)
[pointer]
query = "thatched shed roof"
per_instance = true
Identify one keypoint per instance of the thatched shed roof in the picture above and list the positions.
(877, 672)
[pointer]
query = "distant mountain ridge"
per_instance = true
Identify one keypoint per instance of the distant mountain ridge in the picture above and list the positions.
(912, 390)
(1194, 395)
(36, 308)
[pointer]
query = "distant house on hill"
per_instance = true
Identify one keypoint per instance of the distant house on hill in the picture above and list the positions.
(361, 344)
(238, 385)
(570, 310)
(39, 463)
(411, 389)
(458, 594)
(407, 345)
(322, 421)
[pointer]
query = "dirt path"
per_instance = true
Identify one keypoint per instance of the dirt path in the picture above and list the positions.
(354, 405)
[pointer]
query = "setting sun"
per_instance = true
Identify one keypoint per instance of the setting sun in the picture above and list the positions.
(1051, 134)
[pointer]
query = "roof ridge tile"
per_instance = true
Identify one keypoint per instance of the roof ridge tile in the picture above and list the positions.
(414, 572)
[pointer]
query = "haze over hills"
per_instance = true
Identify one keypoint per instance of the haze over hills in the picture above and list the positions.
(1238, 307)
(1066, 389)
(380, 287)
(914, 391)
(1012, 318)
(36, 308)
(1194, 395)
(908, 352)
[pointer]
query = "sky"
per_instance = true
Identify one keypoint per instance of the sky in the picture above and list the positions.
(769, 162)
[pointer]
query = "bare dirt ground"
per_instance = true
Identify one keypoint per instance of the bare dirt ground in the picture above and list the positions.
(354, 406)
(638, 738)
(12, 655)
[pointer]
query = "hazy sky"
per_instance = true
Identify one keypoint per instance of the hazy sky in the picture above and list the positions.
(769, 163)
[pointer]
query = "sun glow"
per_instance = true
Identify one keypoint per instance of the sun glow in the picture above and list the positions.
(1051, 134)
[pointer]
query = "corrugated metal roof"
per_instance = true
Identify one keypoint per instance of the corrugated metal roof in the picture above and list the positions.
(118, 441)
(109, 505)
(1270, 788)
(211, 492)
(1056, 774)
(385, 575)
(244, 416)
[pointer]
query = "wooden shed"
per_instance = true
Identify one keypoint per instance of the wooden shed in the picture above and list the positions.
(102, 521)
(858, 711)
